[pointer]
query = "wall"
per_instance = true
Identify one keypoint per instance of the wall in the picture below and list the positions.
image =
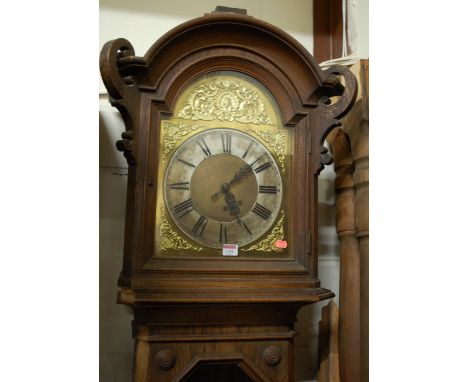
(361, 13)
(142, 23)
(115, 342)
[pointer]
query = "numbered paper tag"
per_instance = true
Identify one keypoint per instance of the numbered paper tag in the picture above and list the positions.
(229, 249)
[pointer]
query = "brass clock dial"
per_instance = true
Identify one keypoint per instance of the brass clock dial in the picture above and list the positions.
(223, 186)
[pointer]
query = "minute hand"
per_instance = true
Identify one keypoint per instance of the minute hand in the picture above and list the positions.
(244, 171)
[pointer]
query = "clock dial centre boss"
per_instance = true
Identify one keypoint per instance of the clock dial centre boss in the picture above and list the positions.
(223, 186)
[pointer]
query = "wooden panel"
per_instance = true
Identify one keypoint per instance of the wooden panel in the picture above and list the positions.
(328, 29)
(172, 341)
(328, 359)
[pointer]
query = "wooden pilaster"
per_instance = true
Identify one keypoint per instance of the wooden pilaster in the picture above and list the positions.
(349, 312)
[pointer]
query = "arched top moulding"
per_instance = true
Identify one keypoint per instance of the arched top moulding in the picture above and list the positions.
(223, 41)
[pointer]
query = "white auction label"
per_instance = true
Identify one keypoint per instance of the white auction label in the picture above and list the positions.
(230, 250)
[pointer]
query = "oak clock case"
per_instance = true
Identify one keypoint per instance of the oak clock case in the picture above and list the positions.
(225, 121)
(223, 175)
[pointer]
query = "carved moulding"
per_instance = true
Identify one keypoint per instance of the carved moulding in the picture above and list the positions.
(225, 100)
(333, 112)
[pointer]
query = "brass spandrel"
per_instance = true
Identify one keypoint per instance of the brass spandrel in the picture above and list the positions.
(276, 141)
(169, 239)
(172, 134)
(269, 243)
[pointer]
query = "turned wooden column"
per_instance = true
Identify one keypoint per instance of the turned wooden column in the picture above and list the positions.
(356, 128)
(360, 153)
(361, 186)
(349, 307)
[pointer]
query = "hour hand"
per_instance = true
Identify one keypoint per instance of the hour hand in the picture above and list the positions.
(224, 189)
(226, 208)
(232, 205)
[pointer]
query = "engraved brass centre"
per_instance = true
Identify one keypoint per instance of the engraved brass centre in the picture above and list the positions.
(206, 187)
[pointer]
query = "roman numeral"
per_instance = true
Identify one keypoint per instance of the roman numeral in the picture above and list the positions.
(200, 225)
(246, 151)
(183, 208)
(262, 167)
(222, 233)
(179, 186)
(261, 211)
(185, 162)
(204, 147)
(267, 189)
(226, 141)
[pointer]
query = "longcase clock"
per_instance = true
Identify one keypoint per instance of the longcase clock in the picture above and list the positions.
(225, 120)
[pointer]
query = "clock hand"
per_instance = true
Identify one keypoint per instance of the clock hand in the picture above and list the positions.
(223, 189)
(231, 202)
(242, 173)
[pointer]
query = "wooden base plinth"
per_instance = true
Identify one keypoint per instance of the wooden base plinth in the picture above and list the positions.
(242, 342)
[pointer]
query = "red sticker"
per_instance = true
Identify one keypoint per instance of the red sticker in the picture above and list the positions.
(281, 243)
